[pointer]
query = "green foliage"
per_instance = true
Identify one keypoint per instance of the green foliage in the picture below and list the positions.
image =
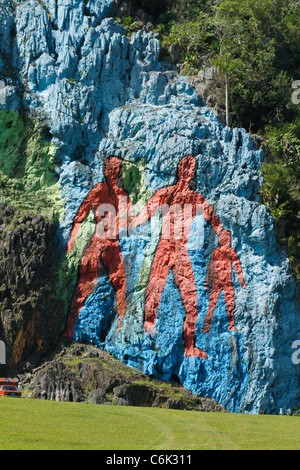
(284, 141)
(128, 23)
(186, 24)
(260, 38)
(281, 188)
(191, 36)
(262, 35)
(227, 64)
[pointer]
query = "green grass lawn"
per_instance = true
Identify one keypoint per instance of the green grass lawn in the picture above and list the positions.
(40, 425)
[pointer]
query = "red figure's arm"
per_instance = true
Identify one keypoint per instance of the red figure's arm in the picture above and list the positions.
(148, 211)
(210, 270)
(238, 267)
(80, 216)
(208, 213)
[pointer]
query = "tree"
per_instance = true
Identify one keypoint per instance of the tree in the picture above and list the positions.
(264, 36)
(227, 65)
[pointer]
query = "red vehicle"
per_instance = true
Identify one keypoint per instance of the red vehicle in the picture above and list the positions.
(9, 388)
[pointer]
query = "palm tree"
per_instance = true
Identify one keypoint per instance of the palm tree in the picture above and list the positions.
(227, 66)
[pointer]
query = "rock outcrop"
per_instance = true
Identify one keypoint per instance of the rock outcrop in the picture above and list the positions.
(101, 93)
(84, 373)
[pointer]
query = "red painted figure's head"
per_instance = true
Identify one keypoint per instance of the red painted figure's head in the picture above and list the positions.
(112, 170)
(186, 168)
(225, 238)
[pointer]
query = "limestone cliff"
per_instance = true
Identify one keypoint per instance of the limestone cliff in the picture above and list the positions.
(96, 93)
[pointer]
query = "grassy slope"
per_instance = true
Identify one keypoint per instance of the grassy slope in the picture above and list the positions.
(41, 425)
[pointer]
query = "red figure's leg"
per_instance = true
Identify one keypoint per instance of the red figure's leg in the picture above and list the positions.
(157, 282)
(88, 275)
(230, 305)
(185, 280)
(113, 261)
(213, 300)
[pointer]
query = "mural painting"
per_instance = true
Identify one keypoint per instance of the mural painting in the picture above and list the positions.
(219, 278)
(179, 205)
(103, 248)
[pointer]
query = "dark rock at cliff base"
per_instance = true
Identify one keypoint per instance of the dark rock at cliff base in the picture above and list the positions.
(29, 316)
(55, 381)
(84, 373)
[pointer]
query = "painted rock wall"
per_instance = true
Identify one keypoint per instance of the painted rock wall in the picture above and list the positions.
(210, 303)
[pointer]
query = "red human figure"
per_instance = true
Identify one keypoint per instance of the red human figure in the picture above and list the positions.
(219, 276)
(172, 253)
(110, 204)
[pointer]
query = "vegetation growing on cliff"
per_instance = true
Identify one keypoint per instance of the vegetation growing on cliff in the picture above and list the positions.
(281, 188)
(261, 38)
